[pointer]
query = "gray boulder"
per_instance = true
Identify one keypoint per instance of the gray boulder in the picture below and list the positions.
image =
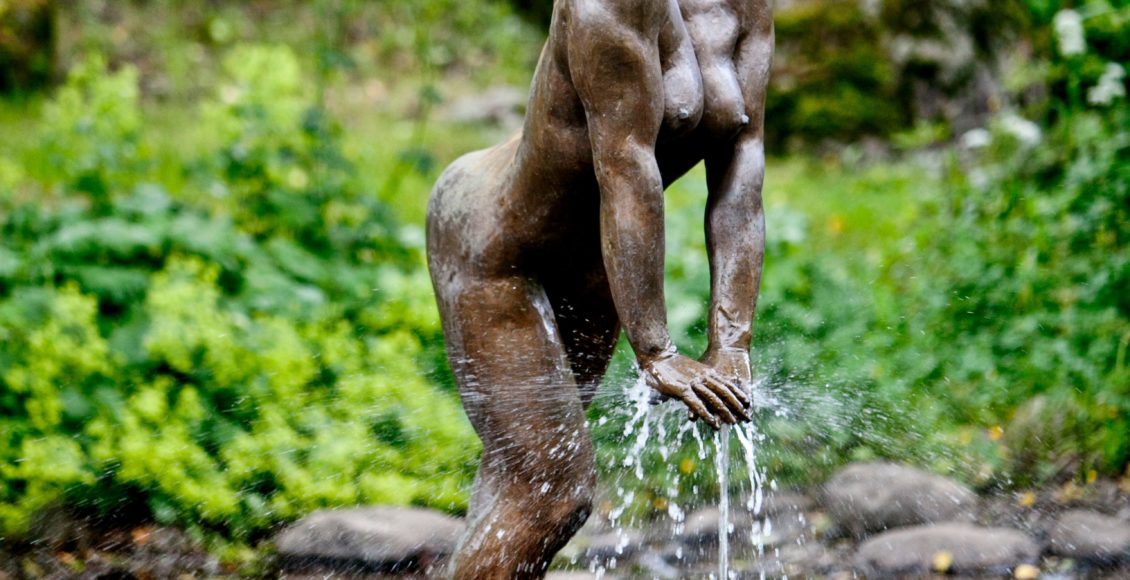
(382, 538)
(785, 502)
(619, 544)
(1088, 535)
(701, 526)
(870, 497)
(957, 548)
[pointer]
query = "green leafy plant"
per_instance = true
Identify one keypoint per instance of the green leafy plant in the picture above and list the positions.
(219, 362)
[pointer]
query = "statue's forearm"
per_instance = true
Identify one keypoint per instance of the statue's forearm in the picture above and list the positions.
(735, 235)
(631, 223)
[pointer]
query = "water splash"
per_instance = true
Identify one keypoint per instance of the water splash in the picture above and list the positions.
(662, 429)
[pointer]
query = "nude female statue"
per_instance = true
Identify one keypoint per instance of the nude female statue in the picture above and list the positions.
(542, 247)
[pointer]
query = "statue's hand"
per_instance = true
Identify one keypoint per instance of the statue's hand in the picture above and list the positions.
(732, 364)
(706, 392)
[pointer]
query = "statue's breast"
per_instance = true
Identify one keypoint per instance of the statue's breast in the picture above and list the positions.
(683, 96)
(701, 81)
(714, 28)
(682, 80)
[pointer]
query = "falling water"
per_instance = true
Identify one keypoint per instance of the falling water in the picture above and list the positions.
(722, 459)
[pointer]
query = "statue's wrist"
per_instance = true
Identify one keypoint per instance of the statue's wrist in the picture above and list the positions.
(649, 358)
(728, 348)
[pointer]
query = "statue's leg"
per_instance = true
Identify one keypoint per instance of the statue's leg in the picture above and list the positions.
(587, 322)
(536, 479)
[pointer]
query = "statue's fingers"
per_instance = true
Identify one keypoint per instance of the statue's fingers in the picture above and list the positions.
(712, 399)
(727, 394)
(697, 408)
(734, 386)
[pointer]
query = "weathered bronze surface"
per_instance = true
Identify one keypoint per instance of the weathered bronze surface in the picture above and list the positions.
(542, 247)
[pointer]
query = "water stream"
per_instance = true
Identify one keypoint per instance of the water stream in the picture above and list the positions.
(722, 463)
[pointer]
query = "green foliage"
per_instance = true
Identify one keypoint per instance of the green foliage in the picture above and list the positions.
(217, 359)
(1036, 265)
(833, 80)
(91, 130)
(179, 46)
(1007, 291)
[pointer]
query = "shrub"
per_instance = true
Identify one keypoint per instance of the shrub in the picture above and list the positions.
(214, 361)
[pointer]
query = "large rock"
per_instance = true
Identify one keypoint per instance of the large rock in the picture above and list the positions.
(701, 526)
(872, 497)
(619, 544)
(369, 538)
(779, 503)
(1088, 535)
(957, 548)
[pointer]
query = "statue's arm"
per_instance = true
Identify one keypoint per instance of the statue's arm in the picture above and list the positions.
(618, 78)
(616, 70)
(735, 221)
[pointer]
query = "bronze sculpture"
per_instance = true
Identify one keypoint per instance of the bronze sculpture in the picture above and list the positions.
(540, 248)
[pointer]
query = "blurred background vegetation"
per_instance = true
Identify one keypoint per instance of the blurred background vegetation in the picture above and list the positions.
(214, 309)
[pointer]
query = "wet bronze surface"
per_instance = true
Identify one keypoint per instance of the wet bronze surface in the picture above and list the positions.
(543, 247)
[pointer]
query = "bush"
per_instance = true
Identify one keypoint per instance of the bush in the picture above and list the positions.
(216, 359)
(1012, 286)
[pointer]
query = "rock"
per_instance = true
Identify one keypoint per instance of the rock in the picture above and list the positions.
(784, 502)
(369, 538)
(701, 526)
(655, 565)
(619, 544)
(1088, 535)
(779, 525)
(799, 560)
(871, 497)
(957, 548)
(571, 575)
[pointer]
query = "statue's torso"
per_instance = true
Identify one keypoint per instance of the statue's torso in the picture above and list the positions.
(537, 193)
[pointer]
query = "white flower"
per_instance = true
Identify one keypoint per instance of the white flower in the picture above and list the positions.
(976, 138)
(1110, 86)
(1022, 129)
(1069, 32)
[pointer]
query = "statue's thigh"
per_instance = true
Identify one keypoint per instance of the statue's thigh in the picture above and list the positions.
(515, 382)
(587, 323)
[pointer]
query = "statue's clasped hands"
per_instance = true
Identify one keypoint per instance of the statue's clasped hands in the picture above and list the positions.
(715, 389)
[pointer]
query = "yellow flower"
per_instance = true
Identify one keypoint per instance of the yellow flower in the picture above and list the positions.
(942, 562)
(836, 225)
